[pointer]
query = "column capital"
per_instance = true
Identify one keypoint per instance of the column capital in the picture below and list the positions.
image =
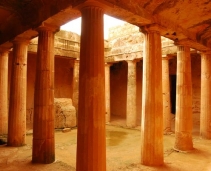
(77, 60)
(131, 61)
(205, 52)
(74, 62)
(47, 27)
(90, 3)
(18, 40)
(151, 28)
(4, 50)
(183, 42)
(25, 36)
(181, 48)
(108, 64)
(167, 57)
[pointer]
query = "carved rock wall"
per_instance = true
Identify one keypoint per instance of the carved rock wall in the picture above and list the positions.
(63, 81)
(65, 113)
(196, 82)
(118, 88)
(125, 43)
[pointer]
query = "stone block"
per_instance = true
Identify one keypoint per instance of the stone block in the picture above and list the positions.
(65, 113)
(66, 130)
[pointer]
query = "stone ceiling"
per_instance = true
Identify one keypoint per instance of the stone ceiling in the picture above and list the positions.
(184, 21)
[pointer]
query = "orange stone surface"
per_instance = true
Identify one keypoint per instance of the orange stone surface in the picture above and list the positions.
(17, 106)
(131, 94)
(43, 150)
(91, 149)
(183, 120)
(205, 117)
(166, 96)
(107, 93)
(3, 92)
(152, 103)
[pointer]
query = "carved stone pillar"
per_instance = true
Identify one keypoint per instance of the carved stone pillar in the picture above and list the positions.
(205, 117)
(107, 92)
(152, 103)
(131, 94)
(166, 96)
(76, 85)
(3, 91)
(43, 150)
(183, 121)
(17, 106)
(91, 147)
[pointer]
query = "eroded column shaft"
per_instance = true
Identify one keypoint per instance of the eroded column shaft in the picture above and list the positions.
(205, 116)
(76, 85)
(43, 124)
(131, 94)
(107, 92)
(166, 97)
(152, 103)
(3, 92)
(17, 105)
(183, 120)
(91, 153)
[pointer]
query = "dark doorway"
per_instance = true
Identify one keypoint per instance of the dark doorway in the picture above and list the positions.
(173, 81)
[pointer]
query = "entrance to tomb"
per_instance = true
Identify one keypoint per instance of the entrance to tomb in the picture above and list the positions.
(173, 82)
(118, 90)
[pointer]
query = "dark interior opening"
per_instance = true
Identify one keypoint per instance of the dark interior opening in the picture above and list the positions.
(173, 82)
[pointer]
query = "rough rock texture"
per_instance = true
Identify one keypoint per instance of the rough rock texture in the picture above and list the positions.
(126, 43)
(65, 113)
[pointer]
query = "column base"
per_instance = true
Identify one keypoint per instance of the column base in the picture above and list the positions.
(107, 118)
(3, 141)
(41, 152)
(15, 142)
(183, 141)
(152, 163)
(205, 135)
(167, 131)
(131, 125)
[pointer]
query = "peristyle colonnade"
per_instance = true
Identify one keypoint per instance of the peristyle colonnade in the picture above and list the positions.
(93, 104)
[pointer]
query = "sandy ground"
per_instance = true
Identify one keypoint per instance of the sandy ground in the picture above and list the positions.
(123, 153)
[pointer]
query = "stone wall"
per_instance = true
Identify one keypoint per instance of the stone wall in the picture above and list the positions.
(139, 72)
(65, 113)
(31, 68)
(126, 43)
(67, 44)
(63, 87)
(63, 81)
(196, 79)
(196, 82)
(118, 88)
(118, 83)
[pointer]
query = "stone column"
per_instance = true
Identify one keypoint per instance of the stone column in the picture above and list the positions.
(75, 84)
(152, 102)
(3, 91)
(17, 106)
(205, 117)
(131, 94)
(43, 123)
(183, 120)
(91, 147)
(166, 96)
(107, 92)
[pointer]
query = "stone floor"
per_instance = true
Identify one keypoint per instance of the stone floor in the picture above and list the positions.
(123, 153)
